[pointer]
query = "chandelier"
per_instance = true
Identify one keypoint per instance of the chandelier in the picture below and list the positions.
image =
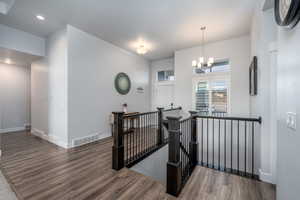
(203, 62)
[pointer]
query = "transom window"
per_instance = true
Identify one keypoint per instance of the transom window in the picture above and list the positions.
(167, 75)
(218, 66)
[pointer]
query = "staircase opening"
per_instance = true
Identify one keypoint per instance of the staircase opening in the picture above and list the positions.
(167, 146)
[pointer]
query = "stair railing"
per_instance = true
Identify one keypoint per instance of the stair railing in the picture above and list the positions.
(136, 136)
(183, 152)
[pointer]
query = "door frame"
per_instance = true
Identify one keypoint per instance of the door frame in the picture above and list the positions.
(154, 92)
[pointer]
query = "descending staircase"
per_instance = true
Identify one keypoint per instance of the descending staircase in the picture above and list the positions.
(217, 142)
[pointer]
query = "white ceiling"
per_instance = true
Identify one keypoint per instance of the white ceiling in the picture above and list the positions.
(164, 25)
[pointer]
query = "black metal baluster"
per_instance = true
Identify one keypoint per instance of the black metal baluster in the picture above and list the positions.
(126, 144)
(207, 137)
(127, 148)
(145, 127)
(131, 140)
(231, 130)
(139, 135)
(245, 148)
(147, 131)
(213, 143)
(183, 143)
(238, 147)
(252, 149)
(151, 130)
(144, 138)
(219, 141)
(202, 141)
(181, 153)
(156, 127)
(225, 145)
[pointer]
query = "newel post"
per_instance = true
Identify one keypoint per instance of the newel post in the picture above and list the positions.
(174, 179)
(160, 133)
(118, 143)
(194, 139)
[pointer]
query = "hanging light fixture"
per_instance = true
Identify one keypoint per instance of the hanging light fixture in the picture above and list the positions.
(203, 62)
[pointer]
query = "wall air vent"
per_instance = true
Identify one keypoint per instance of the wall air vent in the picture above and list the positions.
(85, 140)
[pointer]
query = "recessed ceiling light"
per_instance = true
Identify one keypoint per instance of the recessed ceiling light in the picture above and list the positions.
(40, 17)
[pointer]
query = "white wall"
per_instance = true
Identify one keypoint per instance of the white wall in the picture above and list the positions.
(40, 96)
(49, 91)
(237, 50)
(263, 34)
(155, 166)
(14, 98)
(288, 101)
(155, 66)
(21, 41)
(93, 65)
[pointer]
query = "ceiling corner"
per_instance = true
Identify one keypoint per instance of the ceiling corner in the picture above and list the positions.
(5, 6)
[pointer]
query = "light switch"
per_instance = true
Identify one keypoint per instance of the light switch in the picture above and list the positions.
(291, 120)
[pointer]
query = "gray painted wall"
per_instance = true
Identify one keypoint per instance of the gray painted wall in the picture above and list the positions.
(92, 67)
(73, 91)
(14, 97)
(288, 101)
(237, 50)
(154, 166)
(49, 91)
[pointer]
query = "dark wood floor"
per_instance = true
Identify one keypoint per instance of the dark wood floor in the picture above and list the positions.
(37, 170)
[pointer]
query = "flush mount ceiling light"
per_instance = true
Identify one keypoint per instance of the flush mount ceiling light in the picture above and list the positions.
(203, 62)
(7, 61)
(142, 49)
(40, 17)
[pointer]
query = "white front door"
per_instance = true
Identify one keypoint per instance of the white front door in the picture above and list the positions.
(163, 95)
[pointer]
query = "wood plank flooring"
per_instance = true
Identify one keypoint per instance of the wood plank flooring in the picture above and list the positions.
(38, 170)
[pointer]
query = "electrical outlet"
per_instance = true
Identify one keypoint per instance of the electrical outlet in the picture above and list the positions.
(291, 120)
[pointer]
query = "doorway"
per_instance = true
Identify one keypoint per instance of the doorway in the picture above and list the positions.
(163, 95)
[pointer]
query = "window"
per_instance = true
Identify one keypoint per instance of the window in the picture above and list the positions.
(218, 66)
(165, 75)
(219, 96)
(211, 96)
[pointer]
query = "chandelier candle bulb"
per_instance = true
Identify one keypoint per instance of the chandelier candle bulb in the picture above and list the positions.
(194, 63)
(201, 60)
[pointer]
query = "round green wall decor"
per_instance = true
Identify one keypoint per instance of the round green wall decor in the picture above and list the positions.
(122, 83)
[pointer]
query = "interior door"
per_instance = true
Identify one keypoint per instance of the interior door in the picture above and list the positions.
(163, 96)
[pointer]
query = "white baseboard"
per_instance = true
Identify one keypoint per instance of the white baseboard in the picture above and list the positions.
(266, 177)
(53, 139)
(10, 130)
(49, 138)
